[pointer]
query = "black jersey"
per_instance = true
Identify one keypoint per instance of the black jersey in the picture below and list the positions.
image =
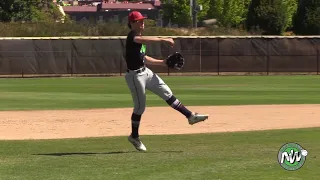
(135, 52)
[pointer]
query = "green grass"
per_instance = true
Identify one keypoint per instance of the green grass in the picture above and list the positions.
(79, 93)
(225, 156)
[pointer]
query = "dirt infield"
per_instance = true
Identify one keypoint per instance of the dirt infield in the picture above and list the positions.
(55, 124)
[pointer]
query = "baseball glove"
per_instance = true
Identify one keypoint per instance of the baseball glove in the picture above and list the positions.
(175, 61)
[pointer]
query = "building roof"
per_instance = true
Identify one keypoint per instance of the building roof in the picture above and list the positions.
(80, 8)
(140, 6)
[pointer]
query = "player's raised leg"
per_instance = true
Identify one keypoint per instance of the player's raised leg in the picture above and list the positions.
(137, 86)
(159, 87)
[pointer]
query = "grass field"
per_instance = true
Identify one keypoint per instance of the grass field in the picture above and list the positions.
(246, 155)
(78, 93)
(241, 155)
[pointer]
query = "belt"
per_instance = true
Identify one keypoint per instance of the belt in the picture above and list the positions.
(137, 70)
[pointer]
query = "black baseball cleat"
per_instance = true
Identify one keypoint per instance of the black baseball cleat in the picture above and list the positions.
(137, 143)
(195, 118)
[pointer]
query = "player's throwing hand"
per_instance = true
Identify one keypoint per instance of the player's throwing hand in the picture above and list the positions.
(169, 41)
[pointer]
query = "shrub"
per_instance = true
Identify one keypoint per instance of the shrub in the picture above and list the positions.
(307, 19)
(268, 15)
(229, 13)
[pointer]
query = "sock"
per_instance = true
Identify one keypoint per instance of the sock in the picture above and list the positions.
(135, 123)
(177, 105)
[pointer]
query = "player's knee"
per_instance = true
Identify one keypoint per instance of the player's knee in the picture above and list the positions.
(167, 94)
(139, 110)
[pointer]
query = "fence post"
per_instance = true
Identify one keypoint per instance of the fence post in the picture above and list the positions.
(22, 73)
(268, 55)
(317, 61)
(168, 53)
(120, 67)
(71, 62)
(200, 63)
(218, 64)
(67, 62)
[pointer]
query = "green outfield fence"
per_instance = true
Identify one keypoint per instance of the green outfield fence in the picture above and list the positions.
(56, 56)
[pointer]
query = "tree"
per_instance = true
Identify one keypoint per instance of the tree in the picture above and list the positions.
(202, 15)
(306, 21)
(270, 16)
(13, 9)
(27, 10)
(178, 11)
(229, 12)
(291, 10)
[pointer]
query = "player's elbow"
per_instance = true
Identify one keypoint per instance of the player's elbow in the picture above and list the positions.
(148, 58)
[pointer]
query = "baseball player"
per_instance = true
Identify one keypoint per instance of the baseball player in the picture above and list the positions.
(139, 78)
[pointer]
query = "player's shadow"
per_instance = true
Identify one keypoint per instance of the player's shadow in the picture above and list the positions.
(102, 153)
(81, 153)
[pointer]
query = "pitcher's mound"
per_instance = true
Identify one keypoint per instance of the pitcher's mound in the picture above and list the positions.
(156, 120)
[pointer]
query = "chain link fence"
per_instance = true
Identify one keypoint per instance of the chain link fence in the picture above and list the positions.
(104, 56)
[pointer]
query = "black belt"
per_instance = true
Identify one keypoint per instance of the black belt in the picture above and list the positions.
(138, 70)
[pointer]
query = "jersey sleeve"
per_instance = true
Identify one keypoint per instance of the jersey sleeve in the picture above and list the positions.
(131, 38)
